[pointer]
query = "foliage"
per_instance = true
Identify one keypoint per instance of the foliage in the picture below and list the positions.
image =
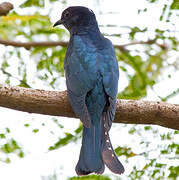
(143, 65)
(68, 138)
(90, 177)
(9, 146)
(174, 5)
(159, 153)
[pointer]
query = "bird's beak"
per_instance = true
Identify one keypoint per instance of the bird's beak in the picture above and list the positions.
(58, 22)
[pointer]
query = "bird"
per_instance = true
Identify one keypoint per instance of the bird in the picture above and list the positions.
(92, 73)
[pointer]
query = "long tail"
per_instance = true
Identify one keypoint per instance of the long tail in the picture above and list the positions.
(96, 147)
(109, 157)
(90, 159)
(96, 151)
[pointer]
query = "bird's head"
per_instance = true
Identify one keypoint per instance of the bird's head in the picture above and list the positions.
(77, 17)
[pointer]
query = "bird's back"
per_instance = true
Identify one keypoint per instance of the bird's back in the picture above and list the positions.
(91, 71)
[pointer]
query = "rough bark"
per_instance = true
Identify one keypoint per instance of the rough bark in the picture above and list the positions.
(56, 103)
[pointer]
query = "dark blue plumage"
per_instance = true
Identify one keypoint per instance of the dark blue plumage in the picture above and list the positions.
(92, 75)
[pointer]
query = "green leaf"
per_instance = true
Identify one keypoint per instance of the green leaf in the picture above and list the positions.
(132, 130)
(8, 130)
(26, 125)
(175, 4)
(79, 129)
(10, 146)
(7, 160)
(152, 1)
(125, 151)
(2, 136)
(174, 172)
(29, 3)
(21, 154)
(90, 177)
(55, 120)
(68, 138)
(160, 165)
(5, 64)
(147, 128)
(35, 130)
(62, 141)
(163, 12)
(176, 132)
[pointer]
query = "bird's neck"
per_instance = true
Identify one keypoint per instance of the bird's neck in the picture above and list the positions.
(82, 30)
(91, 33)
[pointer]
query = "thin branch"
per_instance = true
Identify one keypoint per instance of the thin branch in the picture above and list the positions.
(174, 93)
(149, 42)
(29, 45)
(56, 103)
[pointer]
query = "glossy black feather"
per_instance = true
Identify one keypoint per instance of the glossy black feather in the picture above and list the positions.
(92, 73)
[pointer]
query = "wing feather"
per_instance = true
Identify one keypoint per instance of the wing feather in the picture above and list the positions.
(81, 76)
(110, 72)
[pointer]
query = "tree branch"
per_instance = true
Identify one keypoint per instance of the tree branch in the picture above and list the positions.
(56, 103)
(5, 7)
(29, 45)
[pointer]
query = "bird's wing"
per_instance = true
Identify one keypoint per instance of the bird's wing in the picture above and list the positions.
(110, 72)
(81, 74)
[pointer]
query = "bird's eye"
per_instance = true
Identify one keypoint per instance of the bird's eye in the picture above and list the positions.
(67, 14)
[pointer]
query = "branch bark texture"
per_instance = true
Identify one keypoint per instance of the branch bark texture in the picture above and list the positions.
(57, 104)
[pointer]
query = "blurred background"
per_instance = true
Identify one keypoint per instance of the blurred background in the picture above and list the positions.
(43, 147)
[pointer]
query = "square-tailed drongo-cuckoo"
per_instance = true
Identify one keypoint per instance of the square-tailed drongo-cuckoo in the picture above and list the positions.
(92, 73)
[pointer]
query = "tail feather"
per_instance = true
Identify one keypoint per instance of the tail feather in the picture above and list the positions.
(90, 159)
(96, 151)
(96, 147)
(109, 157)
